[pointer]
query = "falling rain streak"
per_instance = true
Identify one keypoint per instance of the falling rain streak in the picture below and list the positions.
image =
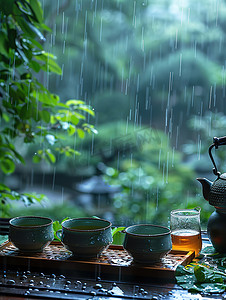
(154, 73)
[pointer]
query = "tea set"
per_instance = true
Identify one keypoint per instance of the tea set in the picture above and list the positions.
(86, 238)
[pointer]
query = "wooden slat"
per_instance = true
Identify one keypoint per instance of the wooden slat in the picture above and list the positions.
(113, 262)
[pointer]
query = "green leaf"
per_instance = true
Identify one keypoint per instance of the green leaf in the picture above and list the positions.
(35, 65)
(45, 116)
(54, 67)
(191, 287)
(74, 120)
(37, 44)
(74, 102)
(118, 235)
(45, 97)
(89, 128)
(209, 250)
(22, 55)
(56, 226)
(45, 27)
(3, 187)
(37, 10)
(7, 166)
(3, 44)
(36, 159)
(26, 111)
(87, 109)
(71, 130)
(12, 35)
(211, 288)
(25, 27)
(50, 156)
(18, 156)
(204, 274)
(181, 270)
(29, 29)
(81, 133)
(5, 117)
(65, 219)
(7, 6)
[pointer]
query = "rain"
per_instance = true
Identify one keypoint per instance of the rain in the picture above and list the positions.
(153, 73)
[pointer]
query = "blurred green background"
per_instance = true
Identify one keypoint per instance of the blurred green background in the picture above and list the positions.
(154, 72)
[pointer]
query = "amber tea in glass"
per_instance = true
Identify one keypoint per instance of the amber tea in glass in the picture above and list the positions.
(186, 230)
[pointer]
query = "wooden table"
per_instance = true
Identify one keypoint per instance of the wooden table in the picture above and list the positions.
(25, 284)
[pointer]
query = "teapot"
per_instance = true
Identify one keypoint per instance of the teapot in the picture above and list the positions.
(215, 193)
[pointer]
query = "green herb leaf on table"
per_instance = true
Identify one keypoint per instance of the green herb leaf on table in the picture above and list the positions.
(201, 278)
(57, 226)
(118, 235)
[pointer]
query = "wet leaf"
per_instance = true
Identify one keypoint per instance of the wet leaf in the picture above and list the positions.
(74, 102)
(74, 120)
(209, 250)
(181, 270)
(3, 187)
(71, 129)
(87, 109)
(54, 67)
(56, 226)
(37, 10)
(118, 235)
(51, 157)
(212, 287)
(7, 6)
(36, 159)
(7, 166)
(81, 133)
(45, 115)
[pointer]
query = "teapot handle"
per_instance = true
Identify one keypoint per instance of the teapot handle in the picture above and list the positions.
(216, 143)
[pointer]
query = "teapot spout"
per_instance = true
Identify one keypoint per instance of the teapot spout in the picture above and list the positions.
(206, 186)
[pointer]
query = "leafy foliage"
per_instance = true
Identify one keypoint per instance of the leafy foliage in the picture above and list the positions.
(28, 110)
(153, 179)
(206, 276)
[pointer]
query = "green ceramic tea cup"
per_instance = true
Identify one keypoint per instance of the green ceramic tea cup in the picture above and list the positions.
(31, 233)
(86, 238)
(147, 243)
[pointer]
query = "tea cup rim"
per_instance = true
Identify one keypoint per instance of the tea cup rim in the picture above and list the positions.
(30, 226)
(87, 230)
(148, 235)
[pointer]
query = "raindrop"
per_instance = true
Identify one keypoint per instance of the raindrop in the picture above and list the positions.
(93, 293)
(11, 281)
(98, 286)
(26, 293)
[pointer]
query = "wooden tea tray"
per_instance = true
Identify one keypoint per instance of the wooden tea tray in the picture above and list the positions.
(114, 263)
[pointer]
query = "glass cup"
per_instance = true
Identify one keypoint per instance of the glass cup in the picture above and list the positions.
(186, 230)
